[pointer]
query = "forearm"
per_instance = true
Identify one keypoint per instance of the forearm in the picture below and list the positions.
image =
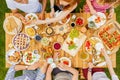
(55, 19)
(89, 5)
(74, 72)
(89, 75)
(52, 4)
(20, 67)
(109, 64)
(44, 2)
(48, 76)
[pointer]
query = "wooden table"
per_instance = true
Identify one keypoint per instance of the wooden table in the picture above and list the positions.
(76, 61)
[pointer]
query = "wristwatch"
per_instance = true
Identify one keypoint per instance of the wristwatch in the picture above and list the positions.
(90, 69)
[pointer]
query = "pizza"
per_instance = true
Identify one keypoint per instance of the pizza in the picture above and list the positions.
(110, 36)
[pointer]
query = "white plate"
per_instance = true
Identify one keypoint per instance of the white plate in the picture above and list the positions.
(67, 59)
(102, 22)
(16, 30)
(95, 40)
(35, 58)
(32, 16)
(11, 53)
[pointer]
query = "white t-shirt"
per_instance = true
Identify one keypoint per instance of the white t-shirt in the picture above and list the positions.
(33, 6)
(103, 76)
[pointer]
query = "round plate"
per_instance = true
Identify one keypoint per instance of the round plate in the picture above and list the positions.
(30, 30)
(10, 21)
(45, 41)
(99, 20)
(67, 61)
(90, 44)
(21, 42)
(31, 16)
(49, 31)
(30, 58)
(11, 54)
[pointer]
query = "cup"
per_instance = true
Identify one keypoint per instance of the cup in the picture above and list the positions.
(38, 37)
(57, 46)
(84, 56)
(72, 24)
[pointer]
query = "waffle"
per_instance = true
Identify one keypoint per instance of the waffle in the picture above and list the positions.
(21, 41)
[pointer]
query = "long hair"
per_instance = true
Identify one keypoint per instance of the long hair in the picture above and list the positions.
(70, 3)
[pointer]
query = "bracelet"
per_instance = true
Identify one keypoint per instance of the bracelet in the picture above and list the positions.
(90, 69)
(51, 7)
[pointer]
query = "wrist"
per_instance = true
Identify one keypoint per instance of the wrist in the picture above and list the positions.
(26, 67)
(89, 69)
(52, 7)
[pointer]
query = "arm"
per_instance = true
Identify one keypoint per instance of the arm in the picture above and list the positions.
(92, 10)
(70, 69)
(48, 74)
(52, 8)
(109, 63)
(42, 71)
(56, 19)
(89, 75)
(90, 71)
(74, 72)
(42, 14)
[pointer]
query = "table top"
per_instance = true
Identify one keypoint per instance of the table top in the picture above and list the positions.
(76, 61)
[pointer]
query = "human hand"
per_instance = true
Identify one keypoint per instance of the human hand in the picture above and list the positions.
(90, 65)
(110, 15)
(93, 12)
(55, 56)
(41, 16)
(52, 13)
(34, 66)
(63, 66)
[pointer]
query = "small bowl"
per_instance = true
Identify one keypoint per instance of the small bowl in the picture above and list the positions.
(56, 46)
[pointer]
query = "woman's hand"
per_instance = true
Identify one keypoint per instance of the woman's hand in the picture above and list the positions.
(90, 65)
(93, 12)
(52, 13)
(41, 16)
(111, 13)
(20, 16)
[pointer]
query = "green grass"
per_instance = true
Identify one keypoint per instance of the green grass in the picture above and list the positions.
(4, 9)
